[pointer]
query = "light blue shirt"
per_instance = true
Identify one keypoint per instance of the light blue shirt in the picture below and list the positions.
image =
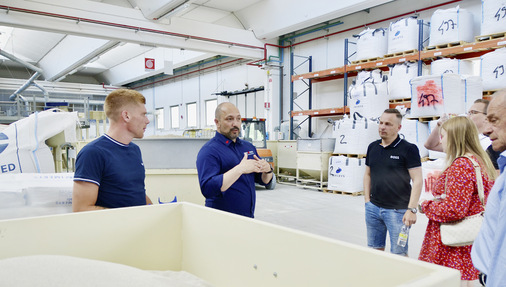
(489, 248)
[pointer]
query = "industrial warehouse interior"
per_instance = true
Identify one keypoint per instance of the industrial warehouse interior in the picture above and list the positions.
(309, 81)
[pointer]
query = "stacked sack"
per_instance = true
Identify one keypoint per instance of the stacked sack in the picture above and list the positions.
(368, 99)
(353, 136)
(346, 173)
(492, 70)
(415, 132)
(493, 18)
(371, 43)
(399, 79)
(403, 35)
(451, 25)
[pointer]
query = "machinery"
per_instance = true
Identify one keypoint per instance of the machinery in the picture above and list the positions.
(253, 130)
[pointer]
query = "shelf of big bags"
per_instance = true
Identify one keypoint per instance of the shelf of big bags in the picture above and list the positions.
(329, 74)
(322, 112)
(464, 50)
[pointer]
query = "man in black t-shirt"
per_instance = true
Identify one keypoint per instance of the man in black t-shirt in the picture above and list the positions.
(390, 199)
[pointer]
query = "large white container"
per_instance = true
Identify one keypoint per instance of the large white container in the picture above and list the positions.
(493, 18)
(399, 77)
(316, 145)
(369, 99)
(353, 136)
(451, 25)
(205, 242)
(371, 43)
(417, 133)
(438, 94)
(375, 76)
(403, 35)
(447, 65)
(492, 70)
(346, 174)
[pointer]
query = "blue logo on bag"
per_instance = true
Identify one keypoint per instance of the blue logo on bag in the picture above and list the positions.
(338, 170)
(3, 142)
(397, 33)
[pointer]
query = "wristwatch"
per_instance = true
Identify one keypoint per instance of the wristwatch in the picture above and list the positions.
(414, 210)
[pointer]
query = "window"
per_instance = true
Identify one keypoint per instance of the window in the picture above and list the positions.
(210, 110)
(160, 118)
(174, 117)
(191, 115)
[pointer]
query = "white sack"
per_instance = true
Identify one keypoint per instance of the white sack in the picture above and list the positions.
(369, 100)
(493, 16)
(353, 136)
(417, 133)
(346, 174)
(451, 25)
(436, 95)
(399, 77)
(375, 76)
(455, 66)
(492, 70)
(403, 35)
(22, 144)
(371, 43)
(435, 154)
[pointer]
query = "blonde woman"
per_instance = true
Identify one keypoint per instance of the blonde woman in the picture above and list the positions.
(459, 138)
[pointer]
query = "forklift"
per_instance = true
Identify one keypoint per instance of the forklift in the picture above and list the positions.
(253, 130)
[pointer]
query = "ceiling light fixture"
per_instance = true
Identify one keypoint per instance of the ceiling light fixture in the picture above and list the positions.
(185, 5)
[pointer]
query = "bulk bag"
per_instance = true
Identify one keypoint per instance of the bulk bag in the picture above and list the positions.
(403, 35)
(353, 136)
(435, 154)
(399, 77)
(446, 65)
(437, 94)
(473, 90)
(369, 99)
(371, 43)
(375, 76)
(23, 143)
(493, 19)
(451, 25)
(415, 132)
(431, 170)
(346, 174)
(492, 70)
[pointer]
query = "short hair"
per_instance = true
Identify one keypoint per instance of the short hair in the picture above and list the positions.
(500, 95)
(396, 112)
(482, 101)
(219, 109)
(461, 138)
(119, 99)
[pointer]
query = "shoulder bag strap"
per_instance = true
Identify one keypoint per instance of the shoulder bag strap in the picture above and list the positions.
(479, 180)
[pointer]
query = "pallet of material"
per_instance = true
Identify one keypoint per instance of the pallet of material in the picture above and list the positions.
(349, 155)
(355, 193)
(447, 45)
(489, 37)
(365, 60)
(425, 119)
(400, 101)
(408, 52)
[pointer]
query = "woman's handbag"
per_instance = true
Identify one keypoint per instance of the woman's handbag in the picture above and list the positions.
(463, 232)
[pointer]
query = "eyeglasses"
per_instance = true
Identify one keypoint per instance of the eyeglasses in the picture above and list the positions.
(474, 112)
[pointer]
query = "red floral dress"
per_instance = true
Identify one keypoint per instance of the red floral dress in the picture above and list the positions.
(461, 200)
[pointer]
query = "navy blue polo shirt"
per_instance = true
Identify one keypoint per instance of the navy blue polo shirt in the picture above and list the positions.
(218, 156)
(390, 179)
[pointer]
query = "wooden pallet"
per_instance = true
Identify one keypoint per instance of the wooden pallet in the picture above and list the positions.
(349, 155)
(489, 93)
(400, 101)
(447, 45)
(489, 37)
(357, 193)
(425, 119)
(365, 60)
(408, 52)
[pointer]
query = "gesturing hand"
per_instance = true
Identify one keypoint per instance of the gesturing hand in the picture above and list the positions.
(253, 165)
(264, 165)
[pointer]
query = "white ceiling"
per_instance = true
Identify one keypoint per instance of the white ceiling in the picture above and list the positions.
(95, 41)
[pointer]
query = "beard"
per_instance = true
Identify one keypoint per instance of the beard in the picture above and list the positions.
(232, 134)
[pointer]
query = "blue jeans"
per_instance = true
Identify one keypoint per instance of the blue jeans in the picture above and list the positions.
(380, 220)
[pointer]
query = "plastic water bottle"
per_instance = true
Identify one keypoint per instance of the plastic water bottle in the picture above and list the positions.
(403, 236)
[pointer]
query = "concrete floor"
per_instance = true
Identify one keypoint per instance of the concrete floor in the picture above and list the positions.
(331, 215)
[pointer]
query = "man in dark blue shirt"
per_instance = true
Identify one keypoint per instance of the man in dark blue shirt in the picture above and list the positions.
(229, 167)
